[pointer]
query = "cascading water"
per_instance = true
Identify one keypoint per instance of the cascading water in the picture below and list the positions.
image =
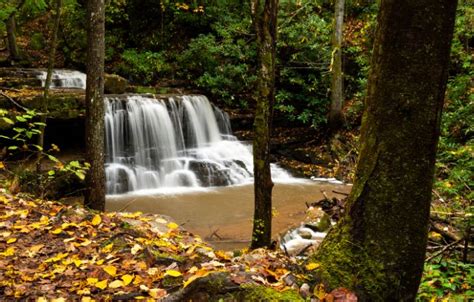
(179, 142)
(64, 78)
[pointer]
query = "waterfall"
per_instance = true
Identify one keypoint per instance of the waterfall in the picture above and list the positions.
(179, 142)
(64, 78)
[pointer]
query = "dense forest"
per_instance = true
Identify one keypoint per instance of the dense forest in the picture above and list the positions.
(373, 97)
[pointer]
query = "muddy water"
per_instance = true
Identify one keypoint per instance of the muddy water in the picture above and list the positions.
(223, 216)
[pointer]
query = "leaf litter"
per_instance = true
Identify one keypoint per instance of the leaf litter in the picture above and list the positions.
(52, 251)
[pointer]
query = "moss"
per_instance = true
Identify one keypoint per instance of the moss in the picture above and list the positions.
(262, 293)
(344, 264)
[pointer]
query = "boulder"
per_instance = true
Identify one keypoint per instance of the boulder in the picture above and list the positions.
(115, 84)
(210, 174)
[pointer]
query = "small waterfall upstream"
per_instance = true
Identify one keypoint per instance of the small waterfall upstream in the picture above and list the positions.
(178, 142)
(64, 78)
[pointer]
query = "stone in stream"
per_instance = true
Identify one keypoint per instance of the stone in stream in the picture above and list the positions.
(209, 173)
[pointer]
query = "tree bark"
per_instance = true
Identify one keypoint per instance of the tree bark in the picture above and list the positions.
(95, 179)
(337, 94)
(378, 248)
(47, 84)
(14, 54)
(265, 23)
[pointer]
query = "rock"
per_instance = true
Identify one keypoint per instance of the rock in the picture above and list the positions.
(209, 173)
(317, 219)
(304, 290)
(115, 84)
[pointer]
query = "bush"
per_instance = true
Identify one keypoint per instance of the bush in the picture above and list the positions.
(143, 67)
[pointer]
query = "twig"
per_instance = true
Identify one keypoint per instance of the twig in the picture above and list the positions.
(438, 195)
(446, 247)
(127, 205)
(339, 192)
(13, 101)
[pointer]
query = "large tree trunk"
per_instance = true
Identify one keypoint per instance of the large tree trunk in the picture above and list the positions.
(95, 179)
(337, 95)
(378, 248)
(14, 54)
(265, 23)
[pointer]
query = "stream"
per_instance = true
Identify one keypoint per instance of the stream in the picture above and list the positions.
(223, 216)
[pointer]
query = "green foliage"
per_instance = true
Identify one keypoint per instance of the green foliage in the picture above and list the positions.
(455, 167)
(447, 279)
(143, 67)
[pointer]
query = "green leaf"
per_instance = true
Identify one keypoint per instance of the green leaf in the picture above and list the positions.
(38, 147)
(20, 118)
(80, 174)
(9, 121)
(12, 147)
(52, 158)
(51, 172)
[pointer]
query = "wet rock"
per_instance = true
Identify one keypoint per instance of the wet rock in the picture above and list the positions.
(115, 84)
(209, 173)
(317, 219)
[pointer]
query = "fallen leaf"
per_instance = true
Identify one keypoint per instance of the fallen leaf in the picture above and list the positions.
(92, 281)
(116, 284)
(312, 266)
(172, 273)
(96, 220)
(172, 225)
(127, 279)
(111, 270)
(102, 284)
(11, 240)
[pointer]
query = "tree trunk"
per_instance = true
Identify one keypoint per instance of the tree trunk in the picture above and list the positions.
(337, 94)
(378, 248)
(47, 84)
(265, 24)
(14, 54)
(95, 179)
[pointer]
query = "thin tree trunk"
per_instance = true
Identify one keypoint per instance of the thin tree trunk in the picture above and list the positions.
(47, 84)
(337, 94)
(265, 23)
(378, 248)
(95, 179)
(13, 51)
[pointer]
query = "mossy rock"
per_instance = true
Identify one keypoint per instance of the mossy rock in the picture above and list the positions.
(115, 84)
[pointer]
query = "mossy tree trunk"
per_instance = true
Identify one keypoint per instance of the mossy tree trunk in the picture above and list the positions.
(95, 179)
(264, 18)
(14, 53)
(378, 248)
(47, 84)
(337, 94)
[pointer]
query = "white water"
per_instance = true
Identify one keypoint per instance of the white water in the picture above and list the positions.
(64, 78)
(173, 145)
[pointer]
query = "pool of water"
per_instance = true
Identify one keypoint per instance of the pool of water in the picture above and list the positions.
(223, 216)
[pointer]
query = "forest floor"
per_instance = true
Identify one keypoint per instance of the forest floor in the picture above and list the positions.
(53, 251)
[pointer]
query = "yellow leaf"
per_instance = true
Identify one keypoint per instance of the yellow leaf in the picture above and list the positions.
(92, 281)
(100, 262)
(312, 266)
(107, 248)
(56, 231)
(36, 248)
(42, 299)
(137, 280)
(2, 165)
(172, 225)
(58, 300)
(96, 220)
(111, 270)
(9, 252)
(86, 299)
(172, 273)
(77, 262)
(11, 240)
(102, 284)
(127, 279)
(116, 284)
